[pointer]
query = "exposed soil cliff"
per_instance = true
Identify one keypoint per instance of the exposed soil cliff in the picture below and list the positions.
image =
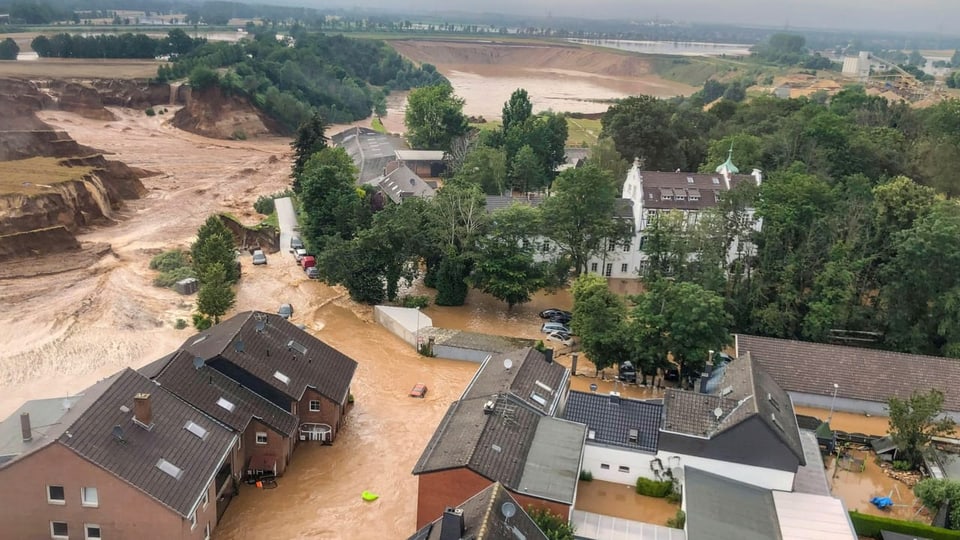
(210, 113)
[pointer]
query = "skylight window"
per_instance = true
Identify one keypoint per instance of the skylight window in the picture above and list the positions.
(196, 429)
(539, 399)
(281, 377)
(545, 387)
(297, 347)
(169, 468)
(226, 404)
(773, 401)
(633, 436)
(716, 181)
(689, 179)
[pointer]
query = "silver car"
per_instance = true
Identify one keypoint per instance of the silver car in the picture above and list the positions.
(259, 257)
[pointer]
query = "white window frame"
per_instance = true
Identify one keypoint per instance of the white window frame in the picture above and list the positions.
(593, 267)
(206, 499)
(605, 466)
(60, 536)
(86, 531)
(62, 501)
(206, 532)
(624, 267)
(83, 497)
(312, 401)
(623, 469)
(266, 437)
(193, 520)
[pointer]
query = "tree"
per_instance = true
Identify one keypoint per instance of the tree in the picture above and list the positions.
(553, 526)
(9, 49)
(599, 318)
(526, 171)
(434, 117)
(639, 127)
(517, 109)
(215, 296)
(935, 492)
(580, 217)
(604, 155)
(683, 320)
(310, 138)
(485, 167)
(505, 266)
(214, 246)
(331, 204)
(202, 77)
(915, 421)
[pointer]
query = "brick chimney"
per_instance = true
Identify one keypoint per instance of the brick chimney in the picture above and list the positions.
(451, 526)
(142, 410)
(25, 429)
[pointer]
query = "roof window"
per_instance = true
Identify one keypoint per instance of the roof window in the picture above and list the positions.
(633, 436)
(297, 347)
(169, 468)
(196, 429)
(689, 179)
(773, 401)
(539, 399)
(226, 404)
(281, 377)
(716, 181)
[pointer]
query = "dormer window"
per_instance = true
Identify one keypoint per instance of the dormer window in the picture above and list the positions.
(716, 181)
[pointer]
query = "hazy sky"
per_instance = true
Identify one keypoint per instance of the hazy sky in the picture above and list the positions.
(910, 15)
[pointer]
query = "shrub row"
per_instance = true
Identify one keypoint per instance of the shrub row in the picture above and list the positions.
(868, 525)
(653, 488)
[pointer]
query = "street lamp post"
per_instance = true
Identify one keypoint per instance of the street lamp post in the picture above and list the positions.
(833, 401)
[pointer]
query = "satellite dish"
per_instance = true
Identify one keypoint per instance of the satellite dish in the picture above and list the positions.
(507, 363)
(197, 362)
(260, 326)
(118, 433)
(238, 345)
(718, 412)
(508, 509)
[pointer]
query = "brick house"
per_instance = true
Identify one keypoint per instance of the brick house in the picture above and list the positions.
(267, 432)
(492, 513)
(283, 364)
(500, 430)
(125, 459)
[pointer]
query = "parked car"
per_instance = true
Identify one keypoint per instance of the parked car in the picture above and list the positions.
(553, 312)
(561, 318)
(313, 273)
(561, 337)
(259, 257)
(308, 261)
(626, 372)
(285, 311)
(296, 243)
(551, 327)
(299, 253)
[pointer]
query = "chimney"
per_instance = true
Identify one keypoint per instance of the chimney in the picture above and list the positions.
(548, 355)
(615, 398)
(25, 430)
(573, 363)
(142, 410)
(705, 376)
(451, 526)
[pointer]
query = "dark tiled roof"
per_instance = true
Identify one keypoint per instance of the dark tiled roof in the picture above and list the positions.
(135, 459)
(498, 445)
(722, 509)
(204, 386)
(611, 423)
(703, 187)
(744, 391)
(154, 368)
(403, 183)
(264, 353)
(483, 519)
(529, 368)
(813, 368)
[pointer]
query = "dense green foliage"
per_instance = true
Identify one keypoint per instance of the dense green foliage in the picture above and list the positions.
(934, 492)
(114, 45)
(785, 49)
(333, 206)
(215, 296)
(434, 117)
(338, 77)
(9, 49)
(173, 266)
(654, 488)
(871, 526)
(600, 319)
(553, 526)
(214, 246)
(265, 203)
(310, 138)
(915, 421)
(678, 521)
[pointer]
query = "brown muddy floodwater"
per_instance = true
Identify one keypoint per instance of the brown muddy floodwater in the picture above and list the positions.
(856, 488)
(623, 501)
(849, 422)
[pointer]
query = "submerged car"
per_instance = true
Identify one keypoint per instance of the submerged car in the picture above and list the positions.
(313, 273)
(553, 312)
(419, 391)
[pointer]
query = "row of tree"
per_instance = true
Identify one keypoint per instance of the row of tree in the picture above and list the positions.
(114, 45)
(343, 79)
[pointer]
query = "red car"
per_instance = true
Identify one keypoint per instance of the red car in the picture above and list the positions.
(419, 390)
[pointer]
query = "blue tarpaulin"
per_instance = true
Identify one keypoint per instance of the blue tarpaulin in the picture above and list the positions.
(882, 502)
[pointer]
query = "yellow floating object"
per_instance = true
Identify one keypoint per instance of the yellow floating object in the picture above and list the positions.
(370, 496)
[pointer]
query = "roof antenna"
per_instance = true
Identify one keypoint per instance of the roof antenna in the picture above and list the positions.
(197, 362)
(118, 434)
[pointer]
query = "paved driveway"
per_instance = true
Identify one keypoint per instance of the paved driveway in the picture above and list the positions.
(287, 218)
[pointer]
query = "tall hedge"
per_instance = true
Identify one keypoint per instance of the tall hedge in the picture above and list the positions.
(869, 525)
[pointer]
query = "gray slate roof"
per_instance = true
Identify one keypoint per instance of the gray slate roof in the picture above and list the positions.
(722, 509)
(529, 368)
(483, 519)
(611, 423)
(370, 151)
(501, 446)
(800, 366)
(323, 368)
(134, 460)
(744, 391)
(658, 185)
(812, 477)
(402, 183)
(204, 386)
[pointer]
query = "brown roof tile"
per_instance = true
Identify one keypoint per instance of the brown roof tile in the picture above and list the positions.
(864, 374)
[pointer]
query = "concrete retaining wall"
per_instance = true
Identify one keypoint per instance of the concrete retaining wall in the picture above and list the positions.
(459, 353)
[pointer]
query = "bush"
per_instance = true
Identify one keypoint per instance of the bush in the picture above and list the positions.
(265, 205)
(653, 488)
(586, 476)
(867, 525)
(201, 322)
(150, 112)
(677, 521)
(180, 324)
(169, 260)
(169, 279)
(900, 465)
(239, 135)
(674, 497)
(415, 301)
